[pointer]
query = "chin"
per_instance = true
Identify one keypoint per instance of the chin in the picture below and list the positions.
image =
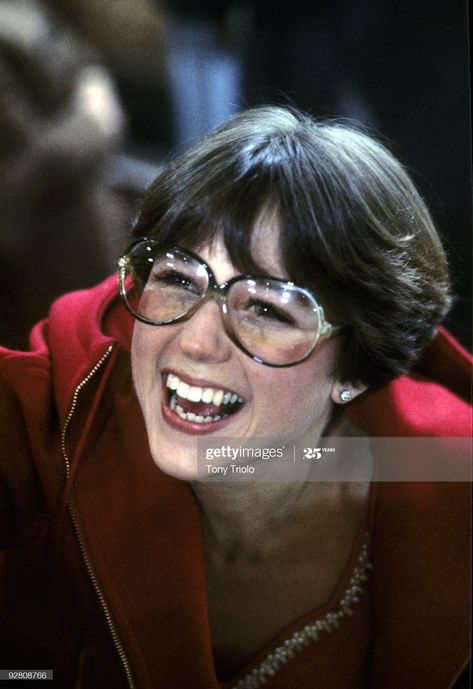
(178, 462)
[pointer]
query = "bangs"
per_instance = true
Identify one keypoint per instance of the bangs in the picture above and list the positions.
(231, 181)
(226, 187)
(218, 199)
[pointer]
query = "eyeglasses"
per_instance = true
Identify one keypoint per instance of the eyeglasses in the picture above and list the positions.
(273, 321)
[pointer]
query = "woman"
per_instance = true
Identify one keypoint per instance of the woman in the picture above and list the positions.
(286, 282)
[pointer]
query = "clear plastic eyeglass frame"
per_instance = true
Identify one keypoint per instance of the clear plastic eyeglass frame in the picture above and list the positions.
(218, 292)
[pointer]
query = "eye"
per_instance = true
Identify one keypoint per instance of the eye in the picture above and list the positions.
(173, 279)
(270, 312)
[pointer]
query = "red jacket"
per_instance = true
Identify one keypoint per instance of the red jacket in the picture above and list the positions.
(102, 573)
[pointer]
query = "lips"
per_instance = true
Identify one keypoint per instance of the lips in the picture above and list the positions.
(197, 405)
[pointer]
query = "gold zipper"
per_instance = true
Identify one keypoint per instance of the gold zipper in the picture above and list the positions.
(85, 556)
(75, 397)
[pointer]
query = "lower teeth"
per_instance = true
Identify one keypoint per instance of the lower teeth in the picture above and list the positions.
(190, 416)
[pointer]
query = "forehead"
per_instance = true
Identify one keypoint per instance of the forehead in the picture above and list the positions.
(265, 242)
(264, 248)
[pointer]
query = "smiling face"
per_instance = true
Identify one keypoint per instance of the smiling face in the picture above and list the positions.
(192, 380)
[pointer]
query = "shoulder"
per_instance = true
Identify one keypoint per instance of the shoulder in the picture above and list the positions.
(27, 413)
(432, 400)
(421, 583)
(25, 388)
(62, 346)
(79, 329)
(37, 390)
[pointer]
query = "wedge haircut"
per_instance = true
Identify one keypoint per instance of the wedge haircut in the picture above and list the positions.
(352, 227)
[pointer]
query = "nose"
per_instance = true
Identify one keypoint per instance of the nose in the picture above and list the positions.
(203, 337)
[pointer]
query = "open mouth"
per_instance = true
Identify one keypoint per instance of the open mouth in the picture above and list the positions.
(200, 405)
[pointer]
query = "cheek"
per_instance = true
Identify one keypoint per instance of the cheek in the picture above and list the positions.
(146, 346)
(289, 399)
(148, 342)
(300, 396)
(139, 356)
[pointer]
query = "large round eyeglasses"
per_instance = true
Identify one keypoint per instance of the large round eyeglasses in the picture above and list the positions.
(273, 321)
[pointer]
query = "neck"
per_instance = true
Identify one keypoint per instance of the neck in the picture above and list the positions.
(243, 515)
(241, 519)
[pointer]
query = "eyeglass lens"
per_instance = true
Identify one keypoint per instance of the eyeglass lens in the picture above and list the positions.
(273, 320)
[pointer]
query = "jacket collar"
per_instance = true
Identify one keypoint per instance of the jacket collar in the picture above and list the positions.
(75, 337)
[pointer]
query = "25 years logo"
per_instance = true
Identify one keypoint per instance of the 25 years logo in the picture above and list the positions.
(316, 452)
(312, 453)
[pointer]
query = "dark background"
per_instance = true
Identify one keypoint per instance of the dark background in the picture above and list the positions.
(179, 68)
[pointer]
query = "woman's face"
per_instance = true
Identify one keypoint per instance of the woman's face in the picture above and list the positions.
(282, 403)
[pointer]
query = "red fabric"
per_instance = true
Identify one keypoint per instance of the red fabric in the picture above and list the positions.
(140, 529)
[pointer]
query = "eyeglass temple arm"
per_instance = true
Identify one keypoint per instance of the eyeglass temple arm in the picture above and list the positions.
(328, 329)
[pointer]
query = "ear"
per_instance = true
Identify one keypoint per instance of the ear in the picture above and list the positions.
(346, 392)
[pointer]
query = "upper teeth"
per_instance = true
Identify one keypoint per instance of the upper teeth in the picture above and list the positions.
(194, 393)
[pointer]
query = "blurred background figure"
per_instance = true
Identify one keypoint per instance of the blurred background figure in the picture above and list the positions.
(131, 38)
(179, 68)
(59, 121)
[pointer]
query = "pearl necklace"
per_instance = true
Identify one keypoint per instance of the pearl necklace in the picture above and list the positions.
(311, 632)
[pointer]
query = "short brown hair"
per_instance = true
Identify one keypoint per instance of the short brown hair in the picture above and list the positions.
(353, 228)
